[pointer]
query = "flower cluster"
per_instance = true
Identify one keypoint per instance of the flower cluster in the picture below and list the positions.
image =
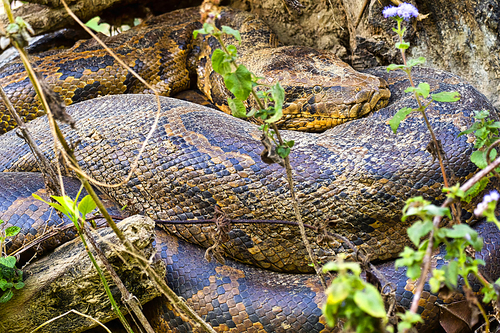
(492, 196)
(403, 11)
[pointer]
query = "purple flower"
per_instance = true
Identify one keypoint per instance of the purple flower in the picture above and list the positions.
(492, 196)
(404, 10)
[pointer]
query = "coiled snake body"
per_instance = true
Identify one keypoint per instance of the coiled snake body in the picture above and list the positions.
(352, 179)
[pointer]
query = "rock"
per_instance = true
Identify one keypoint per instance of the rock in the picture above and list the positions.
(66, 279)
(459, 36)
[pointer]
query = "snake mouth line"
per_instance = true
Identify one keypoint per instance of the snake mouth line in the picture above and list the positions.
(310, 124)
(319, 117)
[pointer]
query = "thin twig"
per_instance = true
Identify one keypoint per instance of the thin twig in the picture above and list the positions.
(65, 314)
(49, 175)
(127, 297)
(289, 175)
(155, 91)
(436, 221)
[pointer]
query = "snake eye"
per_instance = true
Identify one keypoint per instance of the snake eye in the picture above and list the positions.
(317, 89)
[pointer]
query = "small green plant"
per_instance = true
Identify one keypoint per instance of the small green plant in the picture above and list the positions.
(76, 212)
(352, 299)
(19, 30)
(459, 236)
(425, 233)
(486, 133)
(10, 277)
(404, 12)
(243, 83)
(70, 208)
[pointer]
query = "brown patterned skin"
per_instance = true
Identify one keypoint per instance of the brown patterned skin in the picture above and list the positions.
(232, 297)
(352, 179)
(357, 175)
(322, 91)
(19, 208)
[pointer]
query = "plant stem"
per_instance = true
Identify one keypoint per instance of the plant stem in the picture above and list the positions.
(127, 297)
(104, 282)
(50, 176)
(289, 175)
(478, 304)
(298, 216)
(436, 221)
(422, 108)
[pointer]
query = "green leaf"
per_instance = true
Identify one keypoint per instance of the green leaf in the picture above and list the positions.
(413, 272)
(403, 45)
(232, 32)
(370, 301)
(290, 143)
(12, 231)
(446, 96)
(8, 261)
(479, 159)
(398, 118)
(476, 189)
(418, 230)
(493, 154)
(99, 27)
(496, 124)
(239, 82)
(489, 294)
(206, 30)
(252, 112)
(415, 62)
(336, 266)
(87, 205)
(467, 131)
(434, 210)
(451, 274)
(329, 310)
(219, 63)
(237, 107)
(436, 279)
(12, 28)
(51, 204)
(422, 89)
(233, 51)
(461, 231)
(392, 67)
(68, 207)
(408, 319)
(283, 151)
(480, 115)
(337, 292)
(4, 284)
(278, 94)
(19, 285)
(6, 296)
(2, 221)
(454, 191)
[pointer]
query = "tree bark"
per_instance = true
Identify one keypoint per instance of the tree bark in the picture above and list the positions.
(66, 280)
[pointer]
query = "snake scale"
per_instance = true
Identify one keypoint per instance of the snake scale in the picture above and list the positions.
(352, 179)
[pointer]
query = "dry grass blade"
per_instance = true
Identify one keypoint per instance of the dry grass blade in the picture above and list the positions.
(157, 116)
(65, 314)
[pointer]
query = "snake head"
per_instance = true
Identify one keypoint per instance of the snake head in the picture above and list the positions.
(321, 90)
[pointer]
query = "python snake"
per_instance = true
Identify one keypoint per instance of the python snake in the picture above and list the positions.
(352, 179)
